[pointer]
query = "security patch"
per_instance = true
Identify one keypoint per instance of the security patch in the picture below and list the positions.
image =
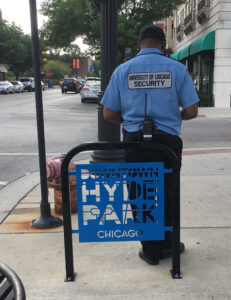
(157, 80)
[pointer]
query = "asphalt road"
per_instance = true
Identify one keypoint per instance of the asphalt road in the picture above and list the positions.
(68, 122)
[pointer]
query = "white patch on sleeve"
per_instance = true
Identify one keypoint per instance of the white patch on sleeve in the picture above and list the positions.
(157, 80)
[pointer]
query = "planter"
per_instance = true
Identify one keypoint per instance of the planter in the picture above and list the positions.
(58, 197)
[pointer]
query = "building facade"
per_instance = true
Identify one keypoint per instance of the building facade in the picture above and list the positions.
(201, 39)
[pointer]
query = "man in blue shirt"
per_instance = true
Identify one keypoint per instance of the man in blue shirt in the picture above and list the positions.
(159, 88)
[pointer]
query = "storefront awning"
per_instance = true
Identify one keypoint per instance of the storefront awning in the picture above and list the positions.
(207, 42)
(3, 69)
(175, 55)
(185, 52)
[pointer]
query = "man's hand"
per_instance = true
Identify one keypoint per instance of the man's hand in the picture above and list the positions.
(112, 116)
(189, 112)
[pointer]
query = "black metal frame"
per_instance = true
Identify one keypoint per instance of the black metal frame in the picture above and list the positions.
(175, 165)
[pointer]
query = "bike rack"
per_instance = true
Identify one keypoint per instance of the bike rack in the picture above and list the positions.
(133, 146)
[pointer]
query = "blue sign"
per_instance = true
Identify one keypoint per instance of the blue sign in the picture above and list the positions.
(91, 69)
(121, 202)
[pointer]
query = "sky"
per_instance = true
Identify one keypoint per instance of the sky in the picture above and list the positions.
(18, 11)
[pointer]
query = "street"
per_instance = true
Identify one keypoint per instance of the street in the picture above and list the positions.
(68, 122)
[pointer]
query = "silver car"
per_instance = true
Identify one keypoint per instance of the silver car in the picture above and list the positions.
(18, 86)
(6, 87)
(90, 89)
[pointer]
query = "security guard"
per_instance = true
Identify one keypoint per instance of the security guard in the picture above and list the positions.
(157, 89)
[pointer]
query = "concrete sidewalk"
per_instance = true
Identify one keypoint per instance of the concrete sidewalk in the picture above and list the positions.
(114, 270)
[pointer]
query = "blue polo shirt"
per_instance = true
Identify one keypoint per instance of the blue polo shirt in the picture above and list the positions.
(163, 81)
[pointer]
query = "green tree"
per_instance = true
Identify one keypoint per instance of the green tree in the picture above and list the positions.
(15, 48)
(58, 68)
(70, 19)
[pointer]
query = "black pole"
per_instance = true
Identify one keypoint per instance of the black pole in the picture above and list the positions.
(46, 220)
(67, 226)
(107, 131)
(176, 274)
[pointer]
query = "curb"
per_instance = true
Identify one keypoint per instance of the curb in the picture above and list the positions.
(14, 192)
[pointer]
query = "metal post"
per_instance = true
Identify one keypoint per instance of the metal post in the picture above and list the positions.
(107, 131)
(176, 274)
(46, 220)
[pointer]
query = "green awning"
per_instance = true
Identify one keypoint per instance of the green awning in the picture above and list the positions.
(207, 42)
(175, 55)
(184, 52)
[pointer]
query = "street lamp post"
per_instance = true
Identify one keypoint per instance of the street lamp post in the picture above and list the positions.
(107, 131)
(46, 220)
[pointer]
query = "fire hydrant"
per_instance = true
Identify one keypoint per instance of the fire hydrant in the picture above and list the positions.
(53, 166)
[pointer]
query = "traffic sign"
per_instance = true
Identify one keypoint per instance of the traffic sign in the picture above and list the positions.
(128, 52)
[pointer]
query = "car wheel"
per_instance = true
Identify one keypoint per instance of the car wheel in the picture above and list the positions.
(83, 100)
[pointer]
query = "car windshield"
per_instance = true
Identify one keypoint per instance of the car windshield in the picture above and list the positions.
(2, 83)
(69, 80)
(24, 80)
(93, 83)
(14, 82)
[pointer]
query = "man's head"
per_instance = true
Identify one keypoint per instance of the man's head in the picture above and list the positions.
(152, 37)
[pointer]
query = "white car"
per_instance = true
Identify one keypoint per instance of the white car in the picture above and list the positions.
(28, 83)
(6, 87)
(90, 89)
(18, 86)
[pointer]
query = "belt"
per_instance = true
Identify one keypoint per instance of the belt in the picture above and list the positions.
(139, 134)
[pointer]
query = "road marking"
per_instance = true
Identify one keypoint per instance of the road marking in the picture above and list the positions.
(27, 154)
(4, 183)
(35, 154)
(187, 151)
(207, 151)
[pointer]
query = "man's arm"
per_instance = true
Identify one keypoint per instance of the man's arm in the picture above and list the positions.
(112, 116)
(189, 112)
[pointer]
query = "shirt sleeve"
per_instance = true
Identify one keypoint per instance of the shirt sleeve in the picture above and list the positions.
(188, 94)
(111, 98)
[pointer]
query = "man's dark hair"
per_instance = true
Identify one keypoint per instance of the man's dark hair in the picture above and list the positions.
(152, 32)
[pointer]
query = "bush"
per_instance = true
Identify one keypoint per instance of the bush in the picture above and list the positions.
(205, 99)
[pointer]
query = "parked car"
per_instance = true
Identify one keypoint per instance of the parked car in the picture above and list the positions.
(6, 87)
(80, 83)
(28, 83)
(69, 85)
(90, 89)
(18, 86)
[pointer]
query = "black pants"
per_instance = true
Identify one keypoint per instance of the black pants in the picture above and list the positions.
(150, 248)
